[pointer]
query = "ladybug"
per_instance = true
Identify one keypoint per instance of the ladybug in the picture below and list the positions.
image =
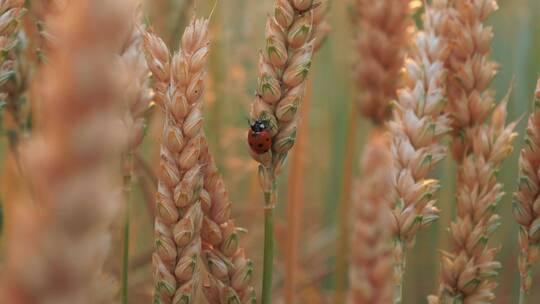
(259, 138)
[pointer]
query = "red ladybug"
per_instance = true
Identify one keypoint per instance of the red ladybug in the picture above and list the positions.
(259, 138)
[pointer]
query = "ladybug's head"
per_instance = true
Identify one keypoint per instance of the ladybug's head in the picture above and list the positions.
(259, 125)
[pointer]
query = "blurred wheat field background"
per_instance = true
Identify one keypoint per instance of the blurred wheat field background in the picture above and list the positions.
(315, 178)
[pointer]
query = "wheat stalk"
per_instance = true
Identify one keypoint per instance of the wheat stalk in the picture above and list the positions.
(417, 129)
(526, 206)
(59, 243)
(479, 148)
(292, 35)
(230, 272)
(178, 87)
(371, 257)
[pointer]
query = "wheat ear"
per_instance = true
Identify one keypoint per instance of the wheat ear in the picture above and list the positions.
(526, 206)
(60, 240)
(371, 257)
(479, 148)
(417, 129)
(467, 269)
(292, 35)
(137, 98)
(230, 272)
(382, 36)
(381, 44)
(138, 94)
(283, 68)
(179, 84)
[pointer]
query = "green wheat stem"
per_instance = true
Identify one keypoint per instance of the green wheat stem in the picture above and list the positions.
(128, 162)
(523, 297)
(270, 199)
(399, 271)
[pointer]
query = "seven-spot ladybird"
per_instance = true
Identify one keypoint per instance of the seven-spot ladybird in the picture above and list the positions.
(259, 138)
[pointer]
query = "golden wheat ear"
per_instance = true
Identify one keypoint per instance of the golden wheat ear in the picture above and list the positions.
(179, 86)
(371, 273)
(381, 53)
(294, 31)
(61, 236)
(230, 273)
(417, 129)
(482, 139)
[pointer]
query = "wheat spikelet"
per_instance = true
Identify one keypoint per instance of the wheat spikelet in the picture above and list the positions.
(417, 130)
(526, 206)
(381, 45)
(137, 93)
(59, 243)
(35, 28)
(178, 88)
(283, 67)
(11, 12)
(479, 148)
(322, 27)
(371, 257)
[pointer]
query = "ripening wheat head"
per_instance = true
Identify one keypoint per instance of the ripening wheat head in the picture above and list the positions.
(417, 129)
(479, 148)
(179, 84)
(470, 68)
(371, 274)
(467, 269)
(60, 240)
(526, 205)
(230, 272)
(292, 34)
(382, 41)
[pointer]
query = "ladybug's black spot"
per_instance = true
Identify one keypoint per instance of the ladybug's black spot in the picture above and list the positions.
(268, 139)
(260, 145)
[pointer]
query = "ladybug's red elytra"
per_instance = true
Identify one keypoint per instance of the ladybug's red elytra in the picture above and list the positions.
(259, 138)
